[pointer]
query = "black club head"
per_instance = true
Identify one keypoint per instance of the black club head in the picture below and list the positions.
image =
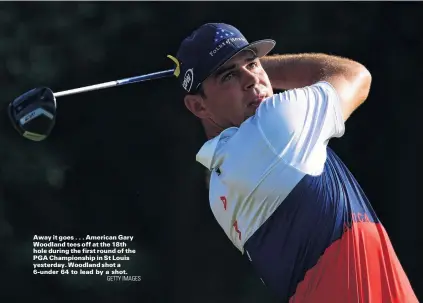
(33, 114)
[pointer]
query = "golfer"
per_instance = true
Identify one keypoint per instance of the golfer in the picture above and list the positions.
(281, 195)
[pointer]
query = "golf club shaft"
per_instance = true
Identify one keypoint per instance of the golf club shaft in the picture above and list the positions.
(152, 76)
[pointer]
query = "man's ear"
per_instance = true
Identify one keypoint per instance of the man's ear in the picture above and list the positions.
(195, 104)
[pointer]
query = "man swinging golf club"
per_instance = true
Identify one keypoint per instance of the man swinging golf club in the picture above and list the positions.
(280, 194)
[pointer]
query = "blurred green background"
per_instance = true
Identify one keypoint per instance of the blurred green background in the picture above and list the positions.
(122, 160)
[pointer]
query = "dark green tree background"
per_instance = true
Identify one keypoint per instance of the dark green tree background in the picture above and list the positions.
(122, 160)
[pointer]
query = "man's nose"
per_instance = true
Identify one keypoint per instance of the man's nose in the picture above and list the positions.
(250, 79)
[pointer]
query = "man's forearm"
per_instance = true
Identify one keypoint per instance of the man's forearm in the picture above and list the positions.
(299, 70)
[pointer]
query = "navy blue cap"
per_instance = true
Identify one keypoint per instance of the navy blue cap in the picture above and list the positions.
(208, 48)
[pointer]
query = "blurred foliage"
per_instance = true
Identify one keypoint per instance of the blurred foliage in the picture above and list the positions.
(122, 160)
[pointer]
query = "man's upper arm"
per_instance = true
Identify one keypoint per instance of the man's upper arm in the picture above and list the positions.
(298, 124)
(352, 86)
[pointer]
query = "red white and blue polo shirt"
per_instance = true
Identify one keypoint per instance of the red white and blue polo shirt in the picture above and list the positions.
(285, 199)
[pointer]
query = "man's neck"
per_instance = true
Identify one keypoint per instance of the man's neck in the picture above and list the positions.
(211, 130)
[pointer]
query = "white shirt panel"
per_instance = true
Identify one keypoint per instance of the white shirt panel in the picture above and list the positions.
(299, 123)
(260, 162)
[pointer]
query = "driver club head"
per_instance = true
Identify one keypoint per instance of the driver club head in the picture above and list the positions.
(33, 114)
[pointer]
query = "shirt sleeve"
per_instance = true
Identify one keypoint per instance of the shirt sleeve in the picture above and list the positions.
(297, 124)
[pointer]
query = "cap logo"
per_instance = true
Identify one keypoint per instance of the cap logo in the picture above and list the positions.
(188, 79)
(222, 34)
(222, 38)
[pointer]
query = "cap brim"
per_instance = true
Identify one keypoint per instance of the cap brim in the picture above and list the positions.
(261, 48)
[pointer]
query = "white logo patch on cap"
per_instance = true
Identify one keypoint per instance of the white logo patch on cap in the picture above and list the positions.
(188, 79)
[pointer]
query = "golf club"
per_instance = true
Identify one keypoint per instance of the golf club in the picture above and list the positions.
(33, 114)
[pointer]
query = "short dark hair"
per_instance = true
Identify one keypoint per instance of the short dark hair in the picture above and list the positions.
(199, 91)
